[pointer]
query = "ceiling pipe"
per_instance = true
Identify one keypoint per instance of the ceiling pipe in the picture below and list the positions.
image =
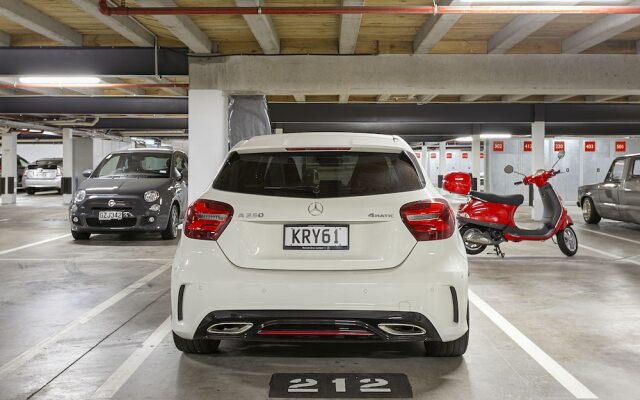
(123, 10)
(92, 85)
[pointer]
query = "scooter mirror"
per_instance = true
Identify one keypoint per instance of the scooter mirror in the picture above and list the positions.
(561, 154)
(508, 169)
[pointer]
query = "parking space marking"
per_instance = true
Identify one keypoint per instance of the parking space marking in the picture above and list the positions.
(564, 377)
(132, 363)
(608, 234)
(87, 259)
(26, 246)
(41, 346)
(611, 255)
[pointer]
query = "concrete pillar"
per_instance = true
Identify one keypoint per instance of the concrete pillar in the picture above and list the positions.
(9, 167)
(537, 136)
(67, 166)
(475, 160)
(208, 137)
(424, 160)
(442, 169)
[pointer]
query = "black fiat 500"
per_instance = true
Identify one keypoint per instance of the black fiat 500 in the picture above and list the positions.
(138, 190)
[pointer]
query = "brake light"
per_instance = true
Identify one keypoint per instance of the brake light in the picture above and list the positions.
(318, 148)
(207, 219)
(429, 219)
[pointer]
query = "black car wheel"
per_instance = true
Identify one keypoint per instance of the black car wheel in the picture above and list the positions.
(80, 235)
(171, 232)
(31, 191)
(589, 212)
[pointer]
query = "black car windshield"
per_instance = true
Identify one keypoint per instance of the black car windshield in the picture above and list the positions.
(154, 165)
(319, 174)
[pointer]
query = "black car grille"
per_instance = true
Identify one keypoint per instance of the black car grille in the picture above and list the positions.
(112, 208)
(114, 223)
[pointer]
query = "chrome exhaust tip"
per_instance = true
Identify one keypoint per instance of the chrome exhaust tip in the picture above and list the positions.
(402, 329)
(230, 328)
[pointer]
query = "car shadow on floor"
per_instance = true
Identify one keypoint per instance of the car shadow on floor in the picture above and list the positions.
(127, 239)
(242, 360)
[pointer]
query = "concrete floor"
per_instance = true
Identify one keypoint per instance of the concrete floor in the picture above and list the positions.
(63, 334)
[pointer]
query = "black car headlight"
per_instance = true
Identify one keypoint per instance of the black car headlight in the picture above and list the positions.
(151, 195)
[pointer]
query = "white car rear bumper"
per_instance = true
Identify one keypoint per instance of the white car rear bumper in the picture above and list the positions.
(421, 284)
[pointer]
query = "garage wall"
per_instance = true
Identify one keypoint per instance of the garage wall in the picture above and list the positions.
(457, 162)
(579, 167)
(34, 151)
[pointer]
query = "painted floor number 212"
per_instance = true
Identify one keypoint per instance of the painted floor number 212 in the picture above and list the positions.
(340, 386)
(367, 385)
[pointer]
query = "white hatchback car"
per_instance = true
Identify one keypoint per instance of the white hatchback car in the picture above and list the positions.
(321, 237)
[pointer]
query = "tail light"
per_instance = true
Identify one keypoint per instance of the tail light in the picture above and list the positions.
(207, 219)
(429, 219)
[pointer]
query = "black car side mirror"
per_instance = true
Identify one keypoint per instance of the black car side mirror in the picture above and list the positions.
(87, 173)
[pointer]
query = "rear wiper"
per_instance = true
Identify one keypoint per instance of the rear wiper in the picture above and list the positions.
(314, 188)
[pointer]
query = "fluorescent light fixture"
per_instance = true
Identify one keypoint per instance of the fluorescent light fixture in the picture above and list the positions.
(464, 139)
(495, 135)
(59, 80)
(543, 2)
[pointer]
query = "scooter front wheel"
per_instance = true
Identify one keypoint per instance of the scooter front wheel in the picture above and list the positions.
(471, 248)
(567, 241)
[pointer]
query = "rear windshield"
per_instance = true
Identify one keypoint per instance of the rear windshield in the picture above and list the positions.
(46, 163)
(319, 174)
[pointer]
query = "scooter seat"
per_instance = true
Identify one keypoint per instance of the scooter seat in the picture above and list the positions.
(512, 199)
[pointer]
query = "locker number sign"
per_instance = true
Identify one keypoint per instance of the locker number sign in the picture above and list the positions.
(527, 145)
(558, 146)
(434, 155)
(590, 146)
(449, 155)
(498, 145)
(465, 155)
(333, 386)
(621, 147)
(481, 155)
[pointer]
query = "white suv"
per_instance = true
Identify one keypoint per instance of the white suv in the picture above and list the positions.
(321, 237)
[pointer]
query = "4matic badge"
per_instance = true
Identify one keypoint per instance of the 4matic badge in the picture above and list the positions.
(376, 215)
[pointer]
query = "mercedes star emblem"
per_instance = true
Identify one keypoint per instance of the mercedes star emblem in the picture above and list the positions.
(315, 209)
(111, 203)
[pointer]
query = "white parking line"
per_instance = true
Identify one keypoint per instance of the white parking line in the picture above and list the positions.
(608, 234)
(611, 255)
(131, 364)
(86, 259)
(26, 246)
(41, 346)
(577, 389)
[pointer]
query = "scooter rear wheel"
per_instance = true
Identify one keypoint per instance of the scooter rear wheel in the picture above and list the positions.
(568, 241)
(471, 248)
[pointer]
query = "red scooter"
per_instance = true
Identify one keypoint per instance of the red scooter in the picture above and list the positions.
(488, 219)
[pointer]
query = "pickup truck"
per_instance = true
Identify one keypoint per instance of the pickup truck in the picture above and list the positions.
(618, 197)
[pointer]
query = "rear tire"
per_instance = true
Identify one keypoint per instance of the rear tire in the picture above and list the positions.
(568, 241)
(454, 348)
(471, 248)
(589, 212)
(80, 235)
(195, 346)
(31, 191)
(171, 232)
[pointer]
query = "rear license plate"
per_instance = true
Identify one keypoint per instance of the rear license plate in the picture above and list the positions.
(316, 237)
(109, 215)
